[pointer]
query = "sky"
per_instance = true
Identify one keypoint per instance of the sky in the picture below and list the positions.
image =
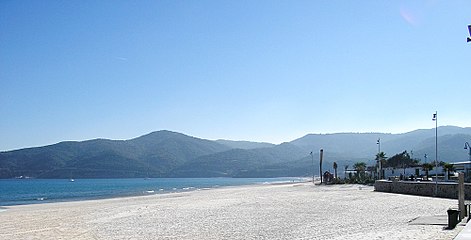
(266, 71)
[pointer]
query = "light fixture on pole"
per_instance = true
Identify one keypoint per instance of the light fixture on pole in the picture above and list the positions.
(378, 142)
(312, 156)
(435, 118)
(466, 146)
(321, 155)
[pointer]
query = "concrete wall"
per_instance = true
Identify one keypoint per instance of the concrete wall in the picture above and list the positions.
(445, 189)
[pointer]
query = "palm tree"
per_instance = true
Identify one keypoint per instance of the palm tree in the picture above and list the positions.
(346, 168)
(359, 167)
(381, 158)
(427, 167)
(371, 169)
(448, 167)
(335, 170)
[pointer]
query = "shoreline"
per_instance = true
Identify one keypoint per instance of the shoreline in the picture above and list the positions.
(262, 211)
(139, 191)
(156, 193)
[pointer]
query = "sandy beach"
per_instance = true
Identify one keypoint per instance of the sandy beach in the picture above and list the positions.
(288, 211)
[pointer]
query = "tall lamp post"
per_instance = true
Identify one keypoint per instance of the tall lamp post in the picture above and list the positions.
(379, 159)
(435, 118)
(466, 146)
(321, 155)
(312, 156)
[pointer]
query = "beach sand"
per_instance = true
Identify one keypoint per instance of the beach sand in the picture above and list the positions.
(285, 211)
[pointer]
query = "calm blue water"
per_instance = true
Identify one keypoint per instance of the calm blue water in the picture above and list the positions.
(29, 191)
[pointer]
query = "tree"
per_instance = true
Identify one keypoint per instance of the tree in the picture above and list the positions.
(346, 168)
(371, 169)
(401, 160)
(335, 169)
(448, 167)
(381, 159)
(359, 167)
(427, 167)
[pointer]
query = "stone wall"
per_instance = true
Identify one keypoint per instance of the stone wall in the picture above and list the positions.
(445, 189)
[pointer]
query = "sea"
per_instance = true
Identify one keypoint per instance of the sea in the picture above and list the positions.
(34, 191)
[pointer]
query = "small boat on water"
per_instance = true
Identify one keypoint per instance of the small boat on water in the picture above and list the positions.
(71, 179)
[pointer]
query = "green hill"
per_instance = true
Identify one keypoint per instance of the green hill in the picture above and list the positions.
(154, 155)
(171, 154)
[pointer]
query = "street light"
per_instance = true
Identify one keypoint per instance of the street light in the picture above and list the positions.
(466, 146)
(320, 162)
(379, 159)
(312, 156)
(435, 118)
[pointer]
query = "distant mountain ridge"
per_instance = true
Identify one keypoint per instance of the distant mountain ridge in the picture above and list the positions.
(151, 155)
(171, 154)
(245, 144)
(363, 144)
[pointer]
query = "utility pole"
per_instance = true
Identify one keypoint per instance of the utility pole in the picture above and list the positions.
(312, 156)
(320, 162)
(436, 153)
(466, 146)
(461, 205)
(379, 159)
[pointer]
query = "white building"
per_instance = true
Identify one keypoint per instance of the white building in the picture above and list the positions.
(464, 167)
(415, 172)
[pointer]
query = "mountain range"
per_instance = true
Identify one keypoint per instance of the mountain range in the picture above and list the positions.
(171, 154)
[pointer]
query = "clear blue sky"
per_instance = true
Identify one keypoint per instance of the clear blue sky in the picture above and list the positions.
(243, 70)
